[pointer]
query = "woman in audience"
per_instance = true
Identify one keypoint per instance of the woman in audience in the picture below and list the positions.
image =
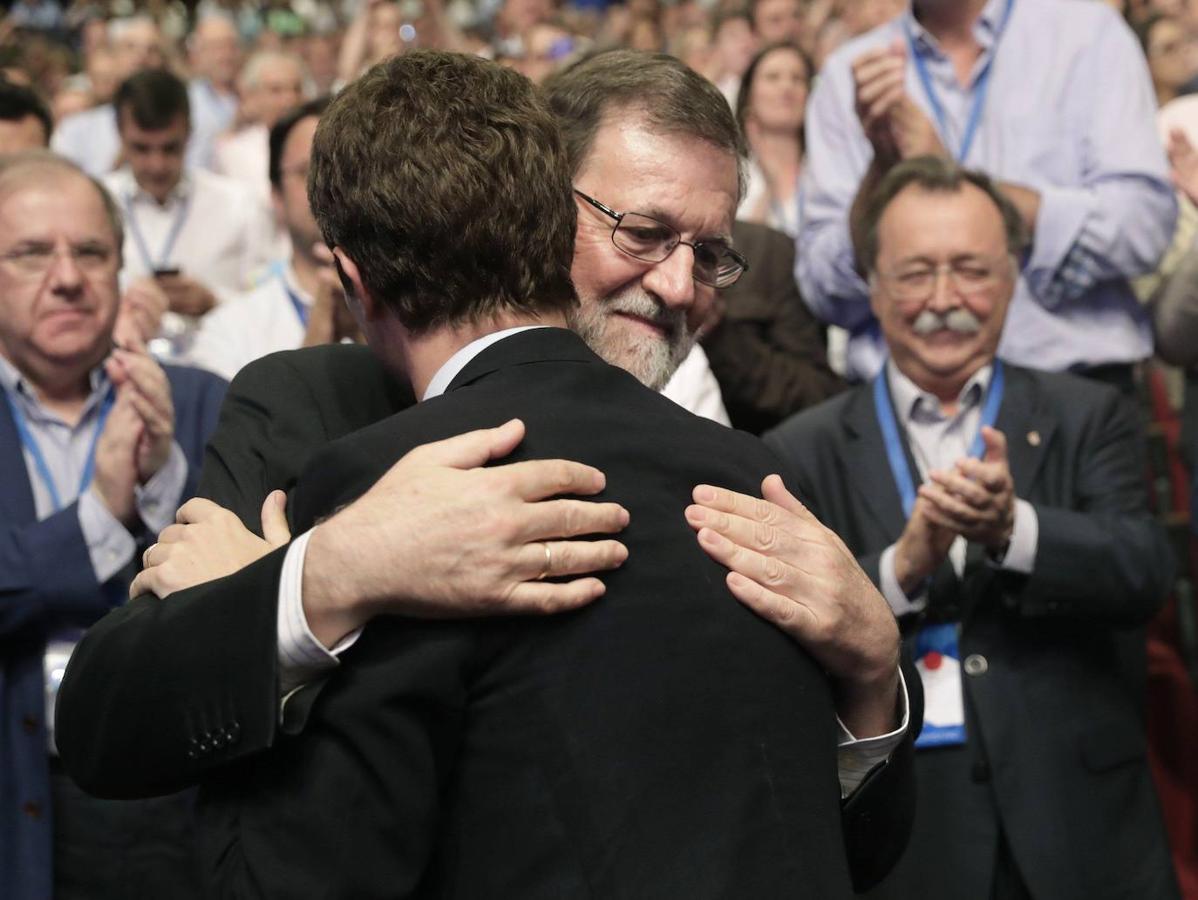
(770, 107)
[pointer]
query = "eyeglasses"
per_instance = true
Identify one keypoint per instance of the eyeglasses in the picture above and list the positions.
(916, 283)
(35, 259)
(647, 239)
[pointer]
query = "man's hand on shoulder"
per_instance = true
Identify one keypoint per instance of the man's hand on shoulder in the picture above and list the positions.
(205, 543)
(440, 537)
(791, 570)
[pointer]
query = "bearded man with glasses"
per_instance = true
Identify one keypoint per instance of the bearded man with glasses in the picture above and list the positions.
(1001, 512)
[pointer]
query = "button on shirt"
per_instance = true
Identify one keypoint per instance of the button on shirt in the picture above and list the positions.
(302, 657)
(1069, 113)
(937, 441)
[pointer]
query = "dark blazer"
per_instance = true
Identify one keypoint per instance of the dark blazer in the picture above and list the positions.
(1055, 754)
(663, 742)
(219, 638)
(47, 581)
(126, 731)
(767, 353)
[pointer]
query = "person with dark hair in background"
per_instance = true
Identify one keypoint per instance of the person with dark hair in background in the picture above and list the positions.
(297, 300)
(770, 107)
(25, 122)
(99, 446)
(201, 236)
(91, 138)
(659, 144)
(1002, 513)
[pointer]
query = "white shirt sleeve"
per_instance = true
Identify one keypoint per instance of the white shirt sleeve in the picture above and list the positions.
(301, 656)
(857, 758)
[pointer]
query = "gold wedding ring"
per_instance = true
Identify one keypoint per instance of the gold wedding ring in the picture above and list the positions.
(548, 562)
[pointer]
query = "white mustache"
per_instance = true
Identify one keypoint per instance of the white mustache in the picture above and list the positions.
(960, 321)
(645, 307)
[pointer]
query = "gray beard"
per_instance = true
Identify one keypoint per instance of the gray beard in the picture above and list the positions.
(651, 362)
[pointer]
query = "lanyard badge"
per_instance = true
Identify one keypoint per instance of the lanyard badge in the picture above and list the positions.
(981, 88)
(937, 647)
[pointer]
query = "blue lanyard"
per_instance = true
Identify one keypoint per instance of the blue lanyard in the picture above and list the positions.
(39, 460)
(301, 309)
(981, 87)
(171, 237)
(894, 445)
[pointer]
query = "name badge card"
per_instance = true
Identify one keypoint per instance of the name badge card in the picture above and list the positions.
(938, 660)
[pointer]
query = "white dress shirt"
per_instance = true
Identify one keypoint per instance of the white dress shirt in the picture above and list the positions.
(694, 388)
(209, 227)
(244, 156)
(252, 324)
(302, 657)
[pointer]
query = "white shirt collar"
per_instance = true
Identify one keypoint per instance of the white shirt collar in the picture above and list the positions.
(906, 394)
(985, 29)
(452, 366)
(131, 191)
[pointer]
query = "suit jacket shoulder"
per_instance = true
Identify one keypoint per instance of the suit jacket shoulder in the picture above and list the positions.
(282, 407)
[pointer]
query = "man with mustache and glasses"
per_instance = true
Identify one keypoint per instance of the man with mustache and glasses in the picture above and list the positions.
(1001, 512)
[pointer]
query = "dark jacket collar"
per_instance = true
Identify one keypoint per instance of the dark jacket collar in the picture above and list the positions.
(532, 346)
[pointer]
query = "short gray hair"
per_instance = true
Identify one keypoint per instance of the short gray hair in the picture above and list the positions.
(18, 170)
(936, 175)
(251, 72)
(671, 97)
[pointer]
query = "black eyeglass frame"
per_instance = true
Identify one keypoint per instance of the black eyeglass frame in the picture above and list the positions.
(695, 246)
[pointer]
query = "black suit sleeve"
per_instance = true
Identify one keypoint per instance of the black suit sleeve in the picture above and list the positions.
(160, 691)
(269, 424)
(1105, 558)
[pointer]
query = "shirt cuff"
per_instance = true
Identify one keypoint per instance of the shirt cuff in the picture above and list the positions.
(1059, 224)
(855, 759)
(301, 656)
(1025, 537)
(899, 602)
(158, 499)
(109, 544)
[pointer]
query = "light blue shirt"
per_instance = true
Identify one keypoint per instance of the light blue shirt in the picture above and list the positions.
(1070, 113)
(212, 113)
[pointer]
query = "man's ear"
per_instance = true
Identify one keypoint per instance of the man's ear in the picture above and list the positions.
(351, 282)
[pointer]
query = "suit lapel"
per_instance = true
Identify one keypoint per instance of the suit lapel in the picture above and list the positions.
(532, 346)
(1028, 427)
(16, 494)
(867, 466)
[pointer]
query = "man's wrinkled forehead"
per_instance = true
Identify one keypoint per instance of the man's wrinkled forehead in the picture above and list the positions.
(638, 115)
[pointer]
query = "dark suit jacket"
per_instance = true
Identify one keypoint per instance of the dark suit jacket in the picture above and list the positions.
(47, 582)
(663, 742)
(1055, 751)
(767, 353)
(218, 639)
(126, 730)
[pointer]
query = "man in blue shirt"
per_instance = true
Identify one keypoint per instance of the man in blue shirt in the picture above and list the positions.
(99, 446)
(1052, 99)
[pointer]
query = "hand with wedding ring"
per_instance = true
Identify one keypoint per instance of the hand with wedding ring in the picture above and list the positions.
(471, 541)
